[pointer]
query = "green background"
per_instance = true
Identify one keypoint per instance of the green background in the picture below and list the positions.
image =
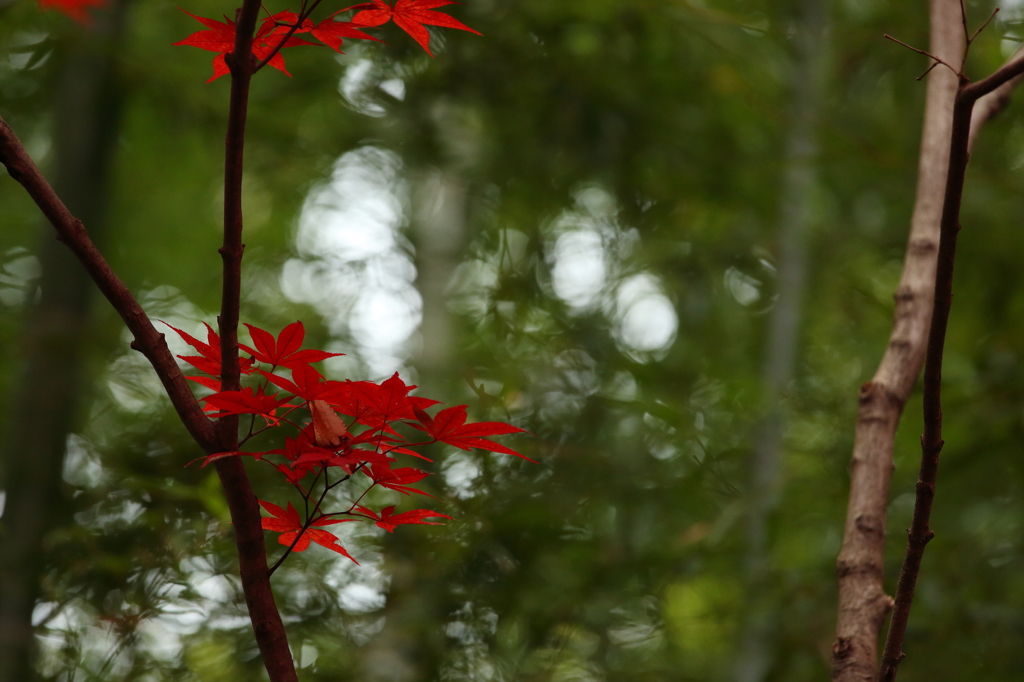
(584, 207)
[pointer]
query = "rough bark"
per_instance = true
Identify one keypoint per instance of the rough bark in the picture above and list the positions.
(797, 203)
(863, 603)
(87, 106)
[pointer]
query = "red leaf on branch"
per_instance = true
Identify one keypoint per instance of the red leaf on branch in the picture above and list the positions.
(219, 37)
(246, 401)
(73, 8)
(397, 479)
(449, 426)
(284, 350)
(289, 526)
(375, 405)
(330, 32)
(388, 520)
(412, 16)
(208, 360)
(307, 383)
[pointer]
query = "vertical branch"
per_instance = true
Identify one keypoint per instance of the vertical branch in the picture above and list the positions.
(931, 441)
(241, 63)
(245, 513)
(863, 603)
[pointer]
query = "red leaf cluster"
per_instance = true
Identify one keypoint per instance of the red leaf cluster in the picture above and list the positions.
(219, 37)
(353, 426)
(278, 31)
(412, 16)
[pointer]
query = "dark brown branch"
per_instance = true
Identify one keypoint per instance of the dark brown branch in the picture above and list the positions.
(931, 442)
(245, 512)
(72, 233)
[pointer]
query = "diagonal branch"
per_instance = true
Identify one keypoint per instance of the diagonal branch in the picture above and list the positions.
(994, 102)
(72, 233)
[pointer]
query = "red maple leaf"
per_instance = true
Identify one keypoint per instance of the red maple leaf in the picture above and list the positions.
(397, 479)
(330, 32)
(449, 426)
(375, 405)
(284, 350)
(306, 383)
(208, 360)
(246, 401)
(388, 520)
(219, 37)
(288, 525)
(412, 16)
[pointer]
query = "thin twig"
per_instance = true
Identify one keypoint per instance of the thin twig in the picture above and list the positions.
(926, 54)
(983, 26)
(303, 15)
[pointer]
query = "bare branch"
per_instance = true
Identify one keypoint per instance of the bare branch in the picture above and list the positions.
(72, 233)
(926, 54)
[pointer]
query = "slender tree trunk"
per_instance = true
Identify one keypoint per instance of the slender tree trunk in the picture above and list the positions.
(863, 603)
(405, 650)
(48, 385)
(796, 215)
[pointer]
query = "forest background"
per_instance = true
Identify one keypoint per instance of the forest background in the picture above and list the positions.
(586, 222)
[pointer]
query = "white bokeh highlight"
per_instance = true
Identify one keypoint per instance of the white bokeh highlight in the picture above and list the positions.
(354, 265)
(588, 253)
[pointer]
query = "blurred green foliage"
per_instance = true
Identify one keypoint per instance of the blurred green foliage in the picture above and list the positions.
(606, 285)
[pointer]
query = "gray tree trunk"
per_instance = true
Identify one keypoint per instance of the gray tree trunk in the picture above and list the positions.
(796, 216)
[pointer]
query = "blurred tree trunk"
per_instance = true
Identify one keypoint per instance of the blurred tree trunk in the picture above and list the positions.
(410, 647)
(796, 214)
(48, 384)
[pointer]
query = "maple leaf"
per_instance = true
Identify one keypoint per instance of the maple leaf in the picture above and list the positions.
(306, 383)
(412, 16)
(330, 32)
(449, 426)
(397, 479)
(208, 360)
(246, 401)
(73, 8)
(375, 405)
(288, 525)
(284, 350)
(219, 37)
(388, 520)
